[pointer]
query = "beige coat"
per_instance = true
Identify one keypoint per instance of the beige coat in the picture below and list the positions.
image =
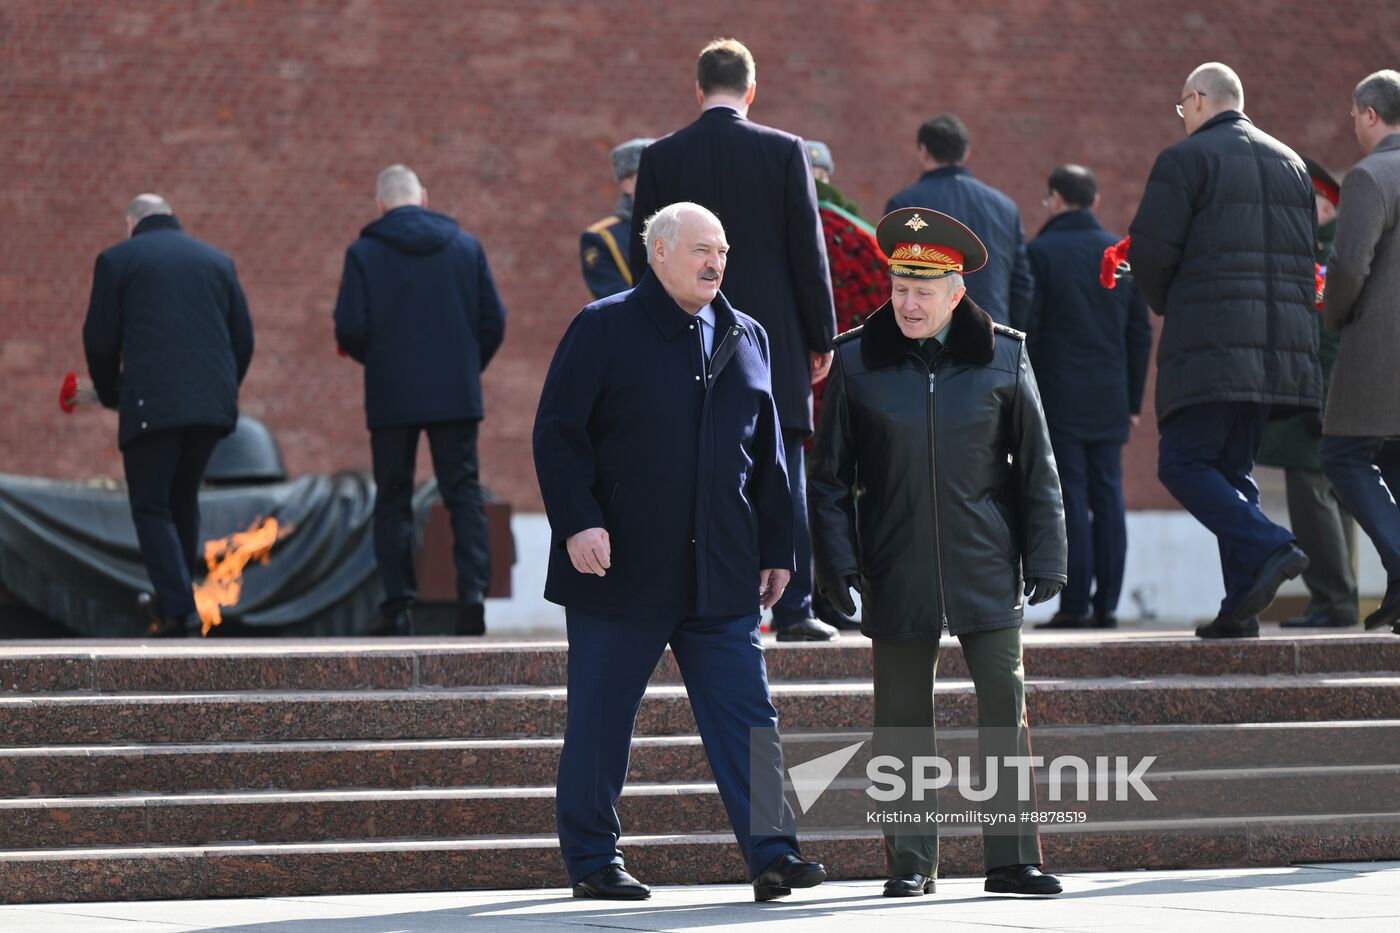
(1362, 301)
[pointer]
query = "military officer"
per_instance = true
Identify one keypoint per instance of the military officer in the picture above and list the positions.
(1325, 529)
(932, 413)
(603, 246)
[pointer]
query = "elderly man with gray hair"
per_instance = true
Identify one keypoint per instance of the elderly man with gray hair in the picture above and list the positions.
(419, 309)
(1360, 453)
(660, 459)
(168, 340)
(1222, 248)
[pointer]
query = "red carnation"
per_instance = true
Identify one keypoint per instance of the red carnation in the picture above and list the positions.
(1115, 263)
(74, 392)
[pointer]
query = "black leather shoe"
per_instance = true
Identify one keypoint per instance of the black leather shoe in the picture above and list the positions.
(471, 619)
(158, 624)
(1278, 568)
(1317, 620)
(397, 621)
(1223, 626)
(784, 873)
(163, 626)
(914, 885)
(612, 883)
(1021, 879)
(1066, 620)
(1108, 621)
(805, 630)
(1388, 613)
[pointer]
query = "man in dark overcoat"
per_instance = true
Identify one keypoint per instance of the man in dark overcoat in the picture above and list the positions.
(934, 495)
(168, 339)
(758, 181)
(1222, 248)
(418, 307)
(660, 461)
(1003, 289)
(1091, 347)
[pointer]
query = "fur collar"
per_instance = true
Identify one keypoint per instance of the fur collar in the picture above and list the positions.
(970, 337)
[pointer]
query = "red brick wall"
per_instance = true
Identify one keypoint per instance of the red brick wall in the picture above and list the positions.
(266, 122)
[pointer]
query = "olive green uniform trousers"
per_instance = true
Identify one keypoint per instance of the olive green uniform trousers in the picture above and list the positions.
(904, 678)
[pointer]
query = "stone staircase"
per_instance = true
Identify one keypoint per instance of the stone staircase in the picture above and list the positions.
(276, 768)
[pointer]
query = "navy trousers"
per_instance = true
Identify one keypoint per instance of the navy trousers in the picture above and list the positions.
(1205, 457)
(1365, 472)
(796, 601)
(611, 657)
(1096, 526)
(164, 470)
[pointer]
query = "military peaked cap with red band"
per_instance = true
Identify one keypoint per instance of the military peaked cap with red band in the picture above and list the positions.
(1323, 182)
(920, 242)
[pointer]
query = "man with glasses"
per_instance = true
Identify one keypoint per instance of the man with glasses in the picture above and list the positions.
(1222, 248)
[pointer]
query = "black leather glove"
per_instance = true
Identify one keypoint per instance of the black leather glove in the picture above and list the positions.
(839, 594)
(1040, 590)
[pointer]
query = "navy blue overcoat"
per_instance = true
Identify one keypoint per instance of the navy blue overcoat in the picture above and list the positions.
(418, 307)
(684, 470)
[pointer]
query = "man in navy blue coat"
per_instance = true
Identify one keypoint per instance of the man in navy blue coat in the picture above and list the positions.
(1003, 288)
(758, 181)
(419, 309)
(168, 340)
(660, 460)
(1090, 346)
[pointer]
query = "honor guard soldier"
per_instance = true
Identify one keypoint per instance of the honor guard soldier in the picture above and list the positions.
(603, 247)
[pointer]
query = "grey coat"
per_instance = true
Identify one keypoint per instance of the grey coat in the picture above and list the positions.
(1362, 301)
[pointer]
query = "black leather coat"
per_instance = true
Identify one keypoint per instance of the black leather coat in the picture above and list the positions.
(936, 484)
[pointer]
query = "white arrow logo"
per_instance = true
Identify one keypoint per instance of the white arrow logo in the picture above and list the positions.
(811, 778)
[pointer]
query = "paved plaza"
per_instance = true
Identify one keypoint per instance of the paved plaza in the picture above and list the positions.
(1356, 896)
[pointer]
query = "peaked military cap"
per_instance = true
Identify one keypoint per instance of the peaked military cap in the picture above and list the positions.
(920, 242)
(1323, 182)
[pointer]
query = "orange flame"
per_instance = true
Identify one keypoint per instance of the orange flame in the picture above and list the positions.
(226, 558)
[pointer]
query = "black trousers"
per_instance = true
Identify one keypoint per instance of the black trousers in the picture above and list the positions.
(795, 605)
(395, 453)
(164, 470)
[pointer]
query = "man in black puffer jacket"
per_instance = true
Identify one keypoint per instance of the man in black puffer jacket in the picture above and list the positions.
(419, 309)
(168, 341)
(1222, 248)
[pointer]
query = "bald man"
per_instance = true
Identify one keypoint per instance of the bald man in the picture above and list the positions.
(418, 307)
(1222, 248)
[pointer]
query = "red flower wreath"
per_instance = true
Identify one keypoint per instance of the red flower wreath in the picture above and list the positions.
(859, 273)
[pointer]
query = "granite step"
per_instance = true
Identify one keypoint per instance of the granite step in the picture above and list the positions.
(104, 770)
(283, 870)
(503, 712)
(647, 809)
(404, 664)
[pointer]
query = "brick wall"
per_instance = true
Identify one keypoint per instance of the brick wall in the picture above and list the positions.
(266, 122)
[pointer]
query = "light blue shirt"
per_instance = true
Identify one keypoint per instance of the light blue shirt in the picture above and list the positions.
(707, 329)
